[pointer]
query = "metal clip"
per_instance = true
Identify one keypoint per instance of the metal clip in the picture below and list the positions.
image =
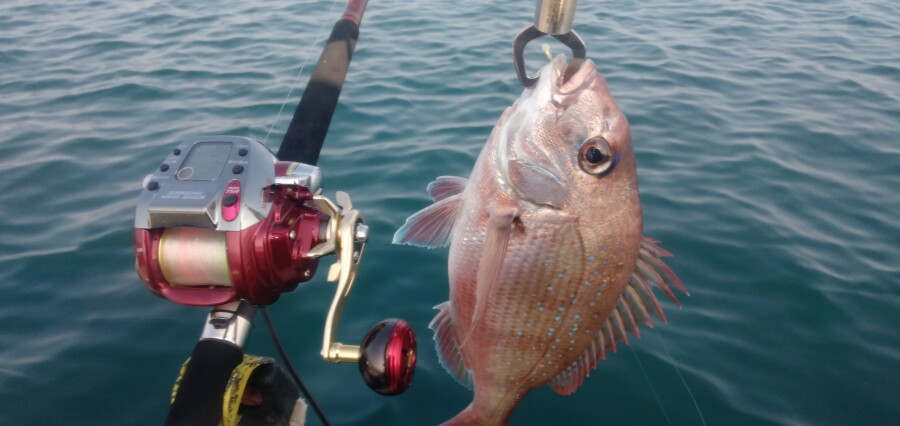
(570, 39)
(553, 18)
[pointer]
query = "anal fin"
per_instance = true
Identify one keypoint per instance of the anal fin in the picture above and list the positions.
(445, 340)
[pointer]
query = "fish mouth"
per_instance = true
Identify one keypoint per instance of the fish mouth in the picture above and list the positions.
(561, 77)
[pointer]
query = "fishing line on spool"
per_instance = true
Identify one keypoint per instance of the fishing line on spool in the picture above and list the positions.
(316, 41)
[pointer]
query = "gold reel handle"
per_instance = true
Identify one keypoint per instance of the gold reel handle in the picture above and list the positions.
(346, 237)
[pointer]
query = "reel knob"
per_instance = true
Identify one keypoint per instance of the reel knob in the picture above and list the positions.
(388, 358)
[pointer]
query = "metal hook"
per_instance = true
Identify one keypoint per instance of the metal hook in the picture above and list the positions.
(570, 39)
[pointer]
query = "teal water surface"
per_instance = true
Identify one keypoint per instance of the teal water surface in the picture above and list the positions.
(768, 159)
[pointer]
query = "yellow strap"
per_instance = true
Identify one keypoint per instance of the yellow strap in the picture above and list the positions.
(234, 390)
(231, 400)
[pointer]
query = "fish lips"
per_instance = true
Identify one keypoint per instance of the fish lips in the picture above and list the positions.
(553, 81)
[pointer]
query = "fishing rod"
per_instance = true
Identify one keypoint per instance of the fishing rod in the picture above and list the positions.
(224, 223)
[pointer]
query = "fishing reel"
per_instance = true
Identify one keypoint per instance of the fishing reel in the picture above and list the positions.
(222, 220)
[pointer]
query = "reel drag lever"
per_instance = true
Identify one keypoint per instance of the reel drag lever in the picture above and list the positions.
(387, 354)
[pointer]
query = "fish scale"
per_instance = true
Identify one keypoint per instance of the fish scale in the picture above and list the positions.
(548, 265)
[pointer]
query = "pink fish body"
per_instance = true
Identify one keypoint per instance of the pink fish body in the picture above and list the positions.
(548, 264)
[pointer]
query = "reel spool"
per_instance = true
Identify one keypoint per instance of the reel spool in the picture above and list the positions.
(222, 220)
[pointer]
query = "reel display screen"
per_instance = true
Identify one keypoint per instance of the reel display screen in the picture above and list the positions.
(205, 161)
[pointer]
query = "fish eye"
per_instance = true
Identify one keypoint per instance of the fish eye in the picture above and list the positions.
(595, 156)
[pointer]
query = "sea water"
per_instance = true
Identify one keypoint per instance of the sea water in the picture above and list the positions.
(766, 135)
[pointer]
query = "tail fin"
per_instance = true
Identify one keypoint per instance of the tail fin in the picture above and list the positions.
(472, 416)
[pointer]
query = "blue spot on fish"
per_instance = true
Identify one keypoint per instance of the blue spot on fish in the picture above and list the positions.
(561, 275)
(577, 316)
(586, 282)
(596, 272)
(561, 309)
(599, 293)
(591, 258)
(556, 318)
(550, 288)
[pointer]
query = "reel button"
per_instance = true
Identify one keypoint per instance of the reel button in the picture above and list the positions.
(231, 200)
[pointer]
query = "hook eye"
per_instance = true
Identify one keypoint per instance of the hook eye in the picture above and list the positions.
(569, 39)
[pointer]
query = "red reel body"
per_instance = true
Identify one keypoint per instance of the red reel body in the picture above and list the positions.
(263, 261)
(222, 219)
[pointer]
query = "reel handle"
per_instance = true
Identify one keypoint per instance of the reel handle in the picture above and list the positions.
(388, 358)
(387, 355)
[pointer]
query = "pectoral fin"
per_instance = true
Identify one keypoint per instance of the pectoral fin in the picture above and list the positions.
(493, 252)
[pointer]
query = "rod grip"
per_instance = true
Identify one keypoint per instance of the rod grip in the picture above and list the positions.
(304, 137)
(198, 399)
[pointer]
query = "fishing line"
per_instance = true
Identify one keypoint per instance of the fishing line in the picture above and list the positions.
(265, 314)
(290, 367)
(316, 41)
(652, 388)
(678, 371)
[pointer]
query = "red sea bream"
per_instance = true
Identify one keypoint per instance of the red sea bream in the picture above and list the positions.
(548, 263)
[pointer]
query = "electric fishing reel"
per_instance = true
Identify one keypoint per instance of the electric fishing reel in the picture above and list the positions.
(221, 220)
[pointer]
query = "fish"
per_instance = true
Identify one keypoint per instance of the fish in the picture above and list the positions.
(548, 266)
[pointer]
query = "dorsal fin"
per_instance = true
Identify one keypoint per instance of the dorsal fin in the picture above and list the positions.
(634, 306)
(445, 340)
